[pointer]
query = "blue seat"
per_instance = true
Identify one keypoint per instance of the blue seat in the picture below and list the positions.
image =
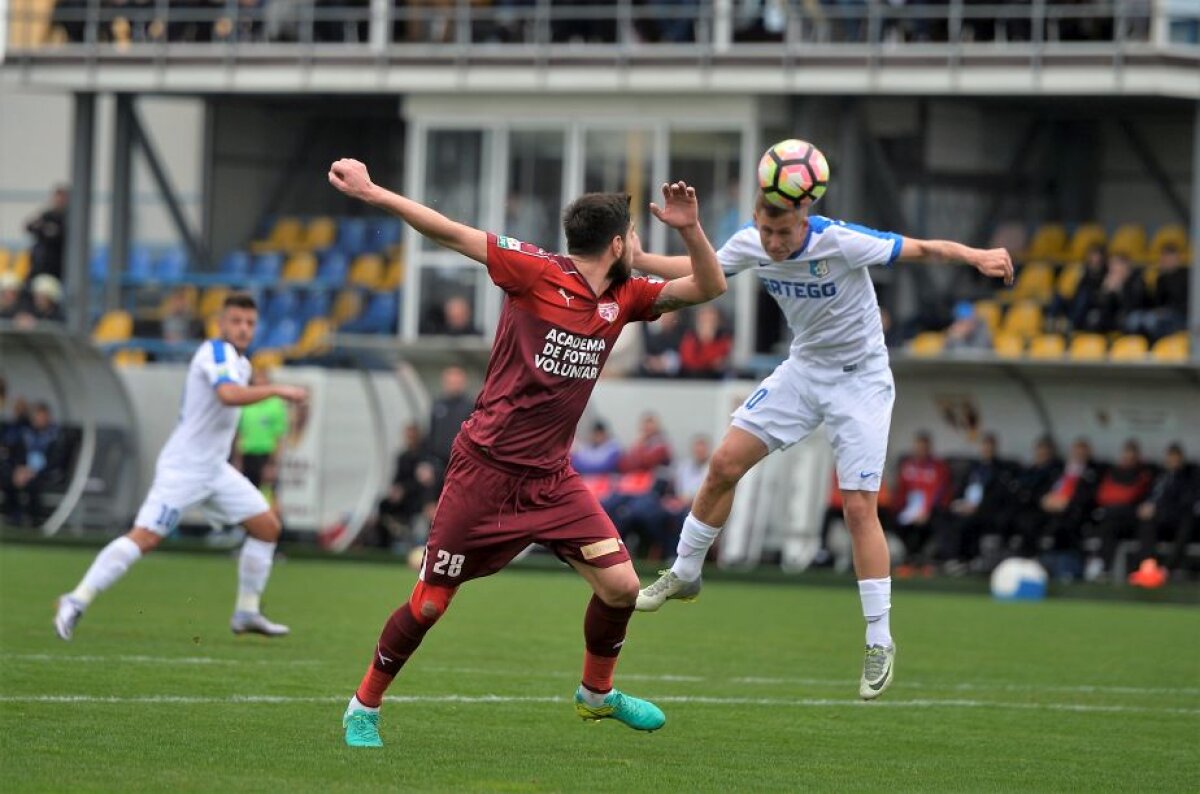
(172, 266)
(384, 232)
(333, 268)
(352, 235)
(379, 318)
(285, 333)
(316, 304)
(281, 304)
(267, 268)
(98, 265)
(140, 267)
(235, 266)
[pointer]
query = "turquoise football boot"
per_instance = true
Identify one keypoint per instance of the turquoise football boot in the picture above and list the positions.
(362, 728)
(641, 715)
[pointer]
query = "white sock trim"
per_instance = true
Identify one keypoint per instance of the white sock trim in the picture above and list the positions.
(110, 565)
(254, 568)
(694, 542)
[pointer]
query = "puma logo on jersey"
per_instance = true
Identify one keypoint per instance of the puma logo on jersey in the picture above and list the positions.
(566, 297)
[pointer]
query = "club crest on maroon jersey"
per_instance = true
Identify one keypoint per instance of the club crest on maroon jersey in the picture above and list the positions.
(608, 311)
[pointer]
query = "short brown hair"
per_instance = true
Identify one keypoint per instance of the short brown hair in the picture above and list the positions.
(771, 210)
(593, 220)
(240, 300)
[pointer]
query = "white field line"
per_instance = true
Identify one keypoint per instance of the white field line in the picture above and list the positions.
(844, 703)
(834, 683)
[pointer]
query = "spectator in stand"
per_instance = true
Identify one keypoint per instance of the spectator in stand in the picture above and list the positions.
(1122, 489)
(449, 411)
(570, 24)
(660, 347)
(636, 502)
(45, 304)
(49, 236)
(922, 487)
(650, 451)
(1031, 485)
(1072, 313)
(1167, 515)
(968, 331)
(689, 476)
(979, 508)
(1166, 310)
(456, 318)
(600, 454)
(35, 459)
(1122, 293)
(405, 511)
(10, 296)
(1057, 525)
(179, 324)
(705, 348)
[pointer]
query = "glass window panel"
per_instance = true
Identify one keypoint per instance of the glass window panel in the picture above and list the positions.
(455, 169)
(533, 200)
(619, 161)
(710, 162)
(449, 300)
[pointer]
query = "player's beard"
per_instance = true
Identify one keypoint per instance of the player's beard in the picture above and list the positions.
(619, 272)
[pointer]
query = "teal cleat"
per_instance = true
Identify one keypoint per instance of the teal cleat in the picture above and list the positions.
(641, 715)
(362, 728)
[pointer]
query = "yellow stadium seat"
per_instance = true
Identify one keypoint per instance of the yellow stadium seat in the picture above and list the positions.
(989, 312)
(927, 343)
(5, 258)
(1173, 348)
(1068, 280)
(393, 276)
(300, 268)
(212, 301)
(20, 265)
(1035, 282)
(1085, 237)
(367, 271)
(1088, 347)
(1023, 319)
(267, 360)
(1129, 348)
(115, 326)
(314, 339)
(346, 306)
(1047, 346)
(286, 235)
(129, 357)
(1049, 243)
(1008, 345)
(320, 234)
(212, 327)
(1129, 240)
(1171, 234)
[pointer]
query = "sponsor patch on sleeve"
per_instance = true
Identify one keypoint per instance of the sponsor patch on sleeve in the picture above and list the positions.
(509, 243)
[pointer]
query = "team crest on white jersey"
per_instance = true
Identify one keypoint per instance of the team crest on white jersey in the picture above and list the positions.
(608, 311)
(819, 269)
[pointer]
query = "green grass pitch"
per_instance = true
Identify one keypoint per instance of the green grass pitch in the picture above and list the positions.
(759, 684)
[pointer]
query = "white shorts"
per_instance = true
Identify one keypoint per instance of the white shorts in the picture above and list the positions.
(225, 491)
(855, 406)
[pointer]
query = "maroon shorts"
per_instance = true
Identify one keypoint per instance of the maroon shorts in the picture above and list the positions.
(489, 512)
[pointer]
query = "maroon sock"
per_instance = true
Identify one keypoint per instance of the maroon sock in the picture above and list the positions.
(603, 633)
(401, 636)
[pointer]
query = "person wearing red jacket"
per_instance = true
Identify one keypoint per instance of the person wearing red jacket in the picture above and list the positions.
(923, 486)
(1122, 488)
(704, 351)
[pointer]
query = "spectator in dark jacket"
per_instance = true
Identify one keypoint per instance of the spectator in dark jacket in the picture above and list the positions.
(1031, 484)
(35, 455)
(1122, 488)
(1122, 294)
(599, 454)
(980, 507)
(1062, 510)
(660, 347)
(1168, 514)
(49, 235)
(449, 411)
(1166, 310)
(406, 509)
(1086, 299)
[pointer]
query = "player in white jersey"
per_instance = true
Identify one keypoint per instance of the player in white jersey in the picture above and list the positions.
(193, 468)
(837, 373)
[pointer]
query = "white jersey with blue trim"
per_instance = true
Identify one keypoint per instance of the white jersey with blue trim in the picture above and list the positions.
(204, 435)
(823, 289)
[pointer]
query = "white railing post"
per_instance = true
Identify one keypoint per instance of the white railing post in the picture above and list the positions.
(381, 25)
(722, 29)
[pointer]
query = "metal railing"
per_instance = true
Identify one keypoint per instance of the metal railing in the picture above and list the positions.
(475, 29)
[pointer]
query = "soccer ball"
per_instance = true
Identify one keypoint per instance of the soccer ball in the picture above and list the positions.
(793, 174)
(1019, 579)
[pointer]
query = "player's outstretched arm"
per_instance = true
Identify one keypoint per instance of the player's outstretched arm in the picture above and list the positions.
(237, 394)
(351, 177)
(992, 262)
(681, 211)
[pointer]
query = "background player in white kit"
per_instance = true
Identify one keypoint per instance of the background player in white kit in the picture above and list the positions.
(837, 373)
(194, 468)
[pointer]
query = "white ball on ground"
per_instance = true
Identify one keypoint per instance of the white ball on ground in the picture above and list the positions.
(1019, 579)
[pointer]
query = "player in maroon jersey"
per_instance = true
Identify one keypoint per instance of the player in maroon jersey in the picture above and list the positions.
(510, 482)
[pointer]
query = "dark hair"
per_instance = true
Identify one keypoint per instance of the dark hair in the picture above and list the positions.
(240, 300)
(770, 210)
(990, 438)
(593, 220)
(923, 435)
(41, 408)
(1175, 448)
(599, 427)
(1131, 444)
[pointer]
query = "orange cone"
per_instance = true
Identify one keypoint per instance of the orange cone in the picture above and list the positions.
(1149, 574)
